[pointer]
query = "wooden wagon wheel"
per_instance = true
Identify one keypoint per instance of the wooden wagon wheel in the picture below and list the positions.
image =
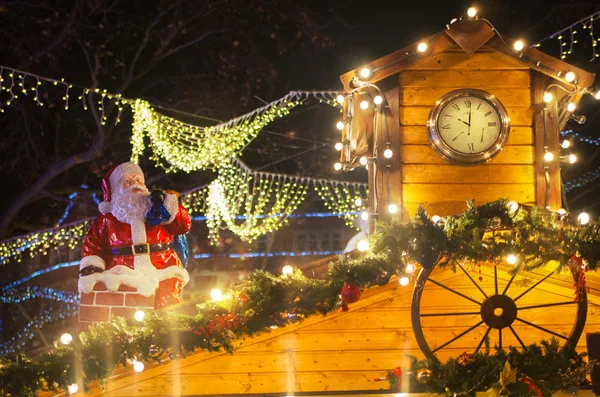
(497, 311)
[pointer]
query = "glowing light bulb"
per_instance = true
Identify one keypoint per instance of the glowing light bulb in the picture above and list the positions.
(571, 107)
(287, 270)
(388, 153)
(378, 100)
(73, 388)
(337, 166)
(340, 98)
(363, 160)
(216, 294)
(572, 158)
(518, 45)
(138, 366)
(471, 12)
(422, 47)
(392, 208)
(339, 146)
(358, 202)
(570, 77)
(139, 315)
(436, 218)
(513, 206)
(453, 20)
(410, 268)
(561, 211)
(66, 338)
(565, 144)
(364, 105)
(339, 125)
(597, 95)
(362, 245)
(548, 97)
(404, 281)
(583, 218)
(548, 156)
(364, 216)
(511, 259)
(365, 73)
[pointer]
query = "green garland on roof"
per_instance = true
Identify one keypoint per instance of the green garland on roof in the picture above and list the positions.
(483, 233)
(538, 370)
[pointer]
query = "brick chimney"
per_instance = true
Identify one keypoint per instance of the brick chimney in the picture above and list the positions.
(102, 306)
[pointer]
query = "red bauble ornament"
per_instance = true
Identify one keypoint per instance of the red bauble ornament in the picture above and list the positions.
(350, 293)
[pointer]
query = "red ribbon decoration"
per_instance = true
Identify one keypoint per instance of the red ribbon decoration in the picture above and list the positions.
(532, 386)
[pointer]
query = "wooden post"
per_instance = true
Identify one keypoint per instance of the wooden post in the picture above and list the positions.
(545, 125)
(388, 178)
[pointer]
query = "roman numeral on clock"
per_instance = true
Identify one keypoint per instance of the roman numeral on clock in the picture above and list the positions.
(468, 104)
(455, 106)
(471, 147)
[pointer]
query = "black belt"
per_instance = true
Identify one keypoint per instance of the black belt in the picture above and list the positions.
(141, 249)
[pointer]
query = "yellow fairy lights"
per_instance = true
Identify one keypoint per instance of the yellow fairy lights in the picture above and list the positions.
(188, 147)
(342, 198)
(39, 243)
(250, 203)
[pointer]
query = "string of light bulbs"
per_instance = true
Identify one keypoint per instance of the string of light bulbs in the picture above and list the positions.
(588, 177)
(581, 138)
(567, 44)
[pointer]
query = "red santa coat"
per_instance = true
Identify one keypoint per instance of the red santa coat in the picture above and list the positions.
(159, 273)
(107, 233)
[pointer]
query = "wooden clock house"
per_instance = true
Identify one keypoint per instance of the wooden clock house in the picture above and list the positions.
(464, 116)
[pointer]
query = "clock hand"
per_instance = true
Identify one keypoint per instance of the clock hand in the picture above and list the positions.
(464, 122)
(457, 136)
(469, 121)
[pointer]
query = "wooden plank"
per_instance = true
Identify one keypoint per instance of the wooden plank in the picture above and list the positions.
(434, 193)
(425, 154)
(249, 383)
(427, 96)
(487, 173)
(417, 115)
(483, 59)
(417, 135)
(479, 79)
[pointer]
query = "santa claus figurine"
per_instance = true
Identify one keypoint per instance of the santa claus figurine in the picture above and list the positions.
(132, 241)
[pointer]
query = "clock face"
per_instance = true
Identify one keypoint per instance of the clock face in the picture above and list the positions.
(468, 126)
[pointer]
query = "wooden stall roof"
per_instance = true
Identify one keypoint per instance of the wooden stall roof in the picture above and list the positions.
(362, 344)
(470, 35)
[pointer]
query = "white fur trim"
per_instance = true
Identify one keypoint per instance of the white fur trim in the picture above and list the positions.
(172, 206)
(92, 260)
(146, 284)
(138, 232)
(105, 207)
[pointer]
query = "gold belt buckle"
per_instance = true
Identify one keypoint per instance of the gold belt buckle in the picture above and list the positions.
(147, 251)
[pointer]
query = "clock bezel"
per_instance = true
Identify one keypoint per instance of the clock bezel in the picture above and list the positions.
(454, 156)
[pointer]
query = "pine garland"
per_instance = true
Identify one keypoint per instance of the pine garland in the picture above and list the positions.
(483, 233)
(538, 370)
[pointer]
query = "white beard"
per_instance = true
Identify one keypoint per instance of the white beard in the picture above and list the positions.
(131, 206)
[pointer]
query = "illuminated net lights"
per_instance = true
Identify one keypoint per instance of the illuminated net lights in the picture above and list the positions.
(342, 198)
(263, 199)
(188, 147)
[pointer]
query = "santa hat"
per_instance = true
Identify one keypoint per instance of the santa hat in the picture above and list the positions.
(110, 182)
